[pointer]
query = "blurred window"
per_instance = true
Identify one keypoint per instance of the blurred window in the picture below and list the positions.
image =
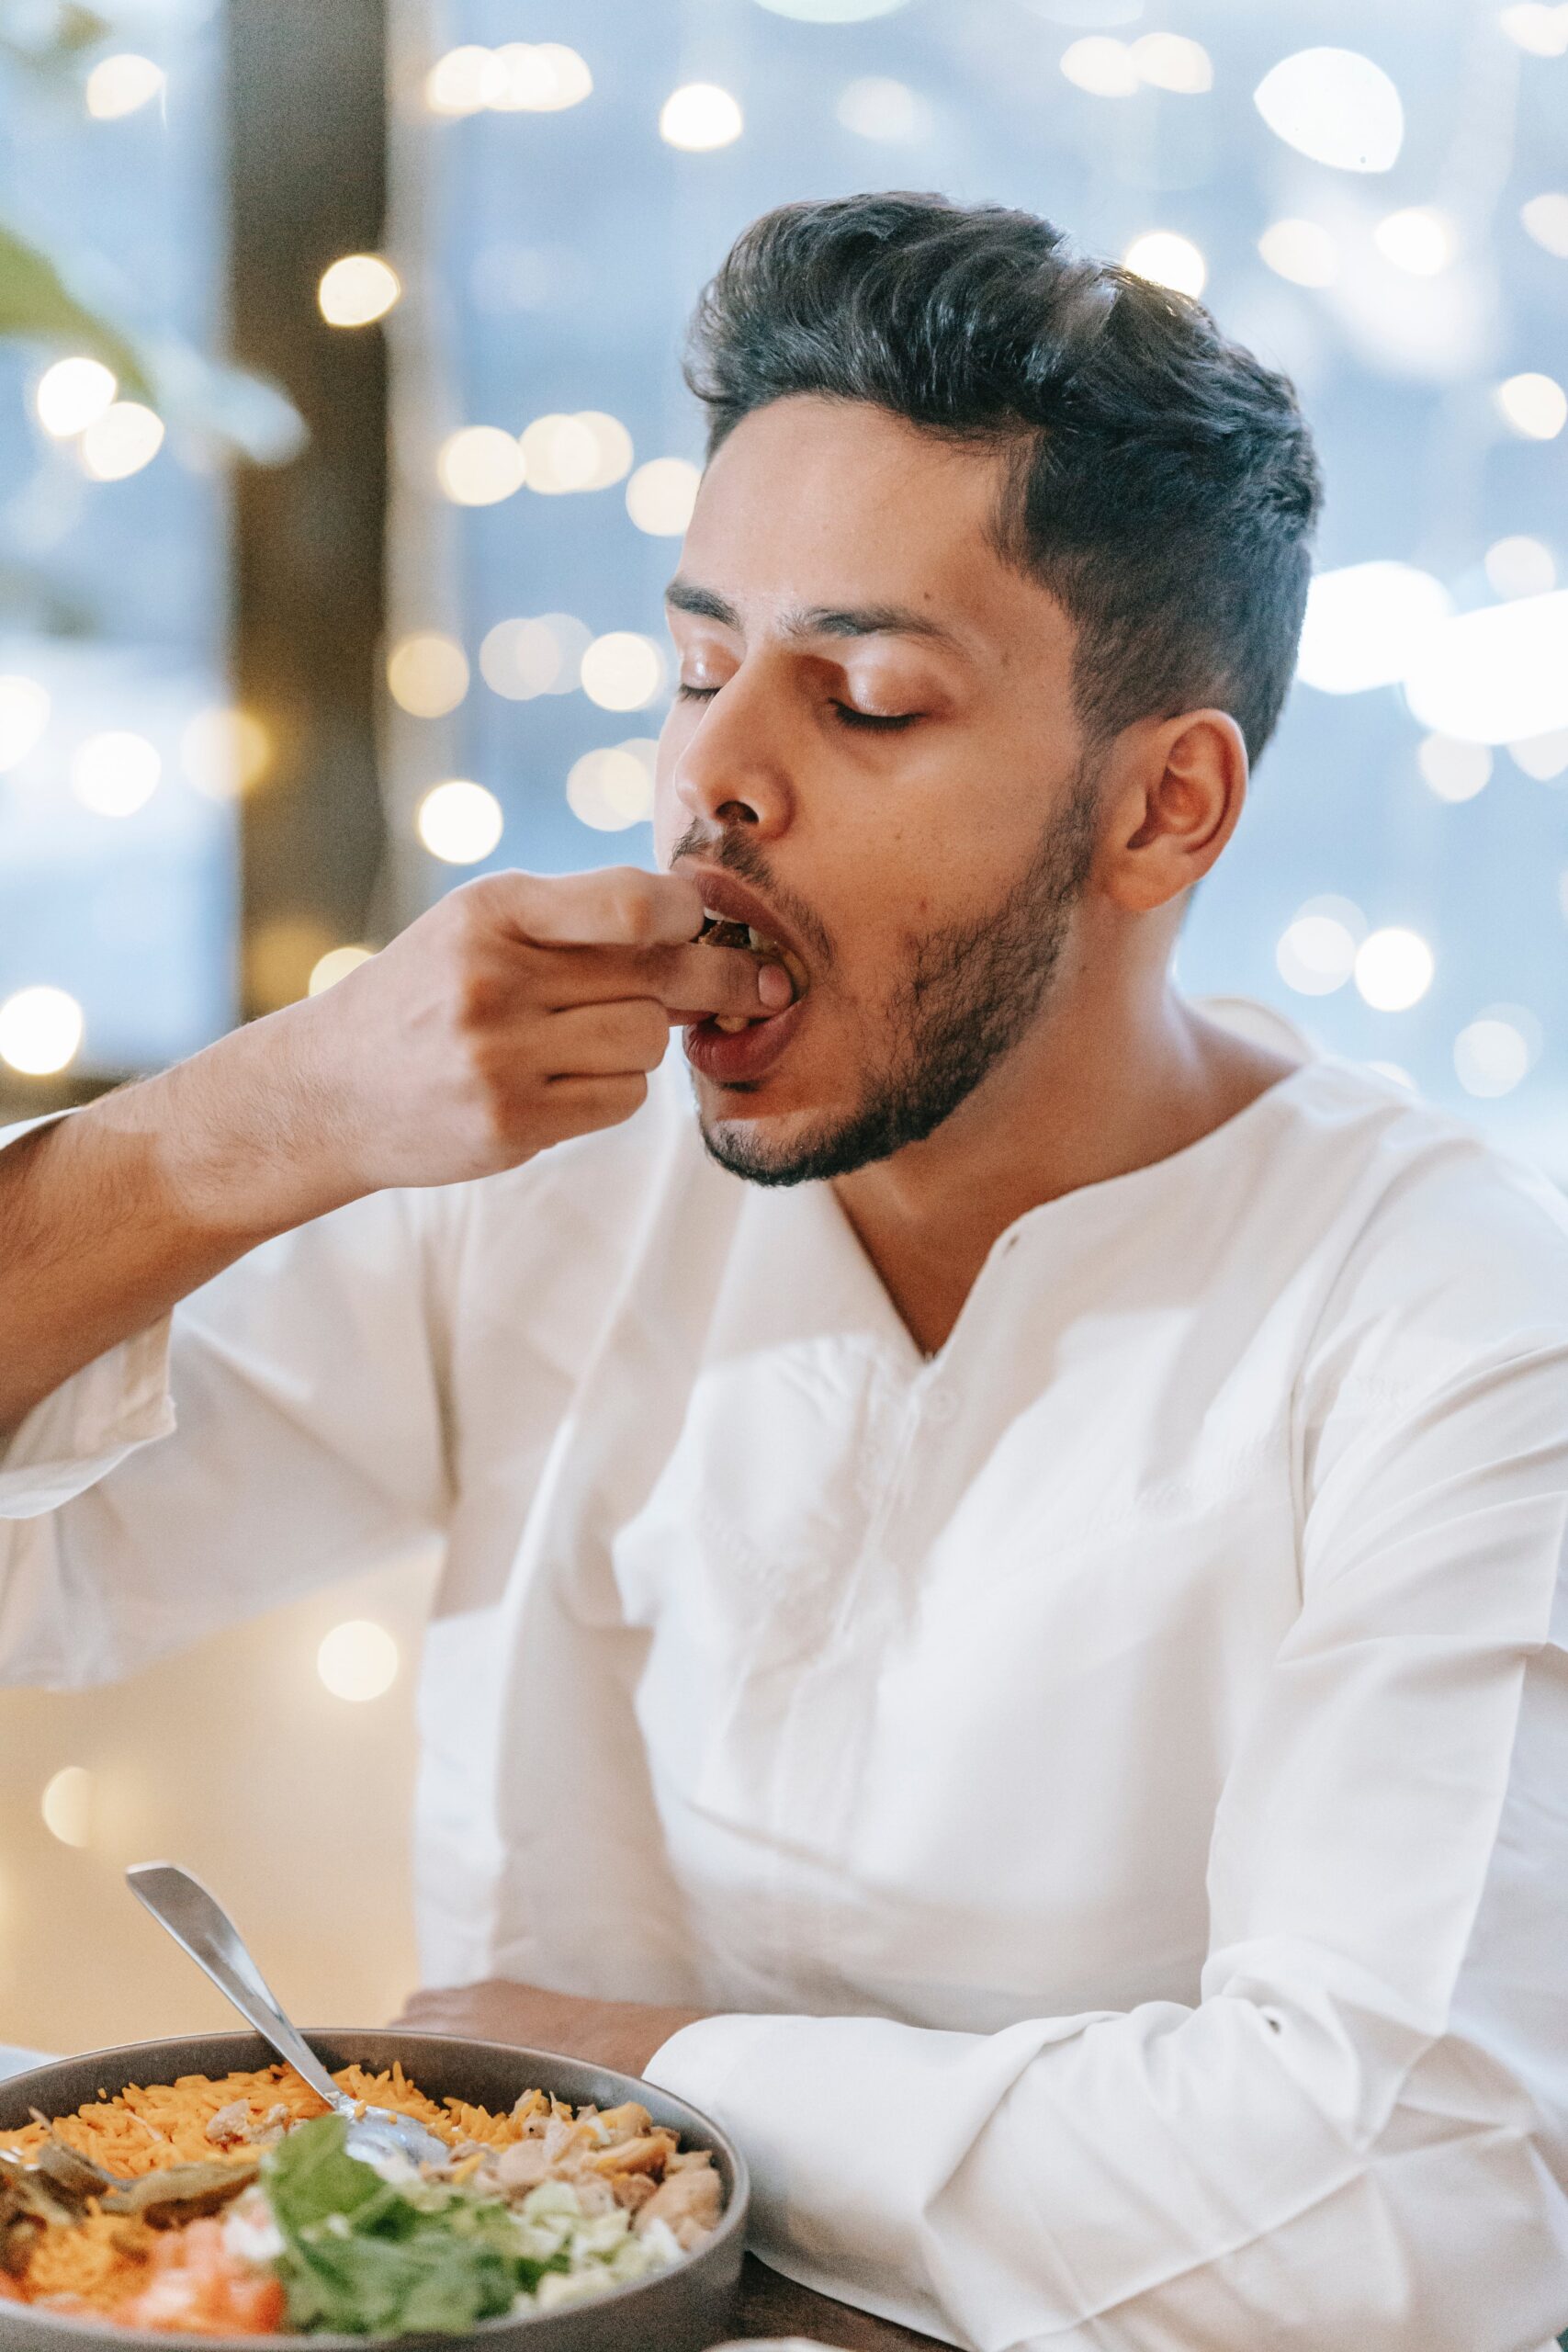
(119, 760)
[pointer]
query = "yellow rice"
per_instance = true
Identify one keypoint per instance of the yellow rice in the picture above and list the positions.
(95, 2264)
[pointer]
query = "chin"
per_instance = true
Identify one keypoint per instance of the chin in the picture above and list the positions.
(767, 1147)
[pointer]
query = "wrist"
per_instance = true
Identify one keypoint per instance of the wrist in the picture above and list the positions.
(244, 1137)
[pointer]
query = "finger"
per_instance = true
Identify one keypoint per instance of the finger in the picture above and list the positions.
(696, 981)
(604, 1040)
(688, 981)
(620, 905)
(577, 1105)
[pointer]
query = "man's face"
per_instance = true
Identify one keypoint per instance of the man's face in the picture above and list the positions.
(922, 874)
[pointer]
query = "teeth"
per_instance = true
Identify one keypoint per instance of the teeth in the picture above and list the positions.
(730, 1022)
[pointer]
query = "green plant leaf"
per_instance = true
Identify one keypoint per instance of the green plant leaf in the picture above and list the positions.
(36, 306)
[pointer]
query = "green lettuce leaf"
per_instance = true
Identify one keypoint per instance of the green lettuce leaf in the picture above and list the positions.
(360, 2258)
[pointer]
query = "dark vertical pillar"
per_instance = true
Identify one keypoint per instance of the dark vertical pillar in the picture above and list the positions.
(307, 138)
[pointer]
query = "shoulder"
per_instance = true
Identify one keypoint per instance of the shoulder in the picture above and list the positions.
(1450, 1252)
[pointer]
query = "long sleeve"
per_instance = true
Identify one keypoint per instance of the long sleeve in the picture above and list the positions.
(1359, 2134)
(282, 1430)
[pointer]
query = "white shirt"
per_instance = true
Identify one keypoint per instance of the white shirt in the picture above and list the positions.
(1112, 1776)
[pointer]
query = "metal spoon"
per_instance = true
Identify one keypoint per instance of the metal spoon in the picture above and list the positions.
(201, 1927)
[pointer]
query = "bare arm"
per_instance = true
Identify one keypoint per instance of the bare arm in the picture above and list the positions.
(517, 1012)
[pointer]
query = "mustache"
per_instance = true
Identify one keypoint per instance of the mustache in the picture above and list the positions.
(735, 855)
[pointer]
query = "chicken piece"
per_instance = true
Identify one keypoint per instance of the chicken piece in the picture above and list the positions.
(565, 2140)
(532, 2111)
(648, 2151)
(232, 2124)
(630, 2189)
(523, 2166)
(629, 2121)
(689, 2200)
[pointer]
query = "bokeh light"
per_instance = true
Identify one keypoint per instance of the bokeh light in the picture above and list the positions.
(1520, 566)
(560, 454)
(1335, 105)
(223, 751)
(621, 671)
(24, 715)
(357, 290)
(1103, 65)
(1534, 404)
(334, 966)
(427, 673)
(116, 773)
(876, 107)
(613, 445)
(1545, 218)
(1366, 622)
(1394, 969)
(359, 1660)
(1497, 1050)
(1172, 62)
(1317, 950)
(1495, 675)
(1418, 240)
(1544, 757)
(612, 788)
(520, 659)
(41, 1030)
(700, 116)
(1537, 25)
(280, 952)
(1302, 251)
(119, 85)
(126, 438)
(661, 494)
(1453, 770)
(68, 1805)
(540, 77)
(478, 465)
(1166, 259)
(71, 395)
(464, 81)
(460, 821)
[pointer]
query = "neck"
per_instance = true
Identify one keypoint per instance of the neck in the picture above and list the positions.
(1117, 1073)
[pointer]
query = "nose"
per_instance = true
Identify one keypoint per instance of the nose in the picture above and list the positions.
(735, 767)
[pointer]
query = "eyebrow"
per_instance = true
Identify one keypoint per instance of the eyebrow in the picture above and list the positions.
(815, 620)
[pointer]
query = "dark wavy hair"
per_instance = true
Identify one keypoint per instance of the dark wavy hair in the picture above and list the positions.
(1161, 481)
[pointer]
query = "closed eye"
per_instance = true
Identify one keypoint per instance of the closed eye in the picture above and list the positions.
(849, 716)
(853, 718)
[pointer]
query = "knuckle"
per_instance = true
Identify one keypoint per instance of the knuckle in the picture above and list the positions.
(634, 905)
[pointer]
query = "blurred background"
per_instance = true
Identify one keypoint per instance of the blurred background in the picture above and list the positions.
(344, 456)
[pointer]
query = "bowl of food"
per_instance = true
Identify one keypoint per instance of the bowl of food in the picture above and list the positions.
(194, 2187)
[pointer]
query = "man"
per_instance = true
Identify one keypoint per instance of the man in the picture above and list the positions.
(998, 1627)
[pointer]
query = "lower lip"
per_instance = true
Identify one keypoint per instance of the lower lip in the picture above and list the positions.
(737, 1056)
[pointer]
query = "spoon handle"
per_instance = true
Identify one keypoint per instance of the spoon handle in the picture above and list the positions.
(201, 1927)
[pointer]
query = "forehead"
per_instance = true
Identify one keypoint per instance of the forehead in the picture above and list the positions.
(818, 503)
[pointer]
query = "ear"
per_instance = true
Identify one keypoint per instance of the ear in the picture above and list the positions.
(1176, 789)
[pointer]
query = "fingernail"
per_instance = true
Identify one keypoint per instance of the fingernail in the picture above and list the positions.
(775, 987)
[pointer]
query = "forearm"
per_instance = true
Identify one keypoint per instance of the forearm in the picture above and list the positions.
(108, 1219)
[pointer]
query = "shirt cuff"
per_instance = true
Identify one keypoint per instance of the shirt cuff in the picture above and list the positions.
(850, 2127)
(79, 1432)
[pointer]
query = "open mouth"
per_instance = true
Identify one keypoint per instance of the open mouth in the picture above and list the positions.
(726, 931)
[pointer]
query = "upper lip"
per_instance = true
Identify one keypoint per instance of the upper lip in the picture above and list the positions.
(723, 895)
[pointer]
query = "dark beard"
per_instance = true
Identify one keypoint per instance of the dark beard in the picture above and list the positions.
(970, 993)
